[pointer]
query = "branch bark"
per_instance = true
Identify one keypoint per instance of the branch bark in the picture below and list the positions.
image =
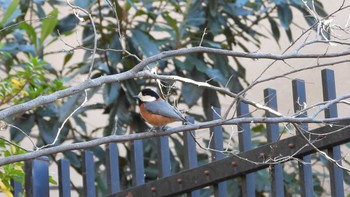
(91, 83)
(145, 135)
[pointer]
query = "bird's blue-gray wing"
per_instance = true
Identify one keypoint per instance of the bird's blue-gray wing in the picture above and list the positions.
(164, 108)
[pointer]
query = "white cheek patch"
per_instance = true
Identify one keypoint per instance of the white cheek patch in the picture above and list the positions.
(146, 98)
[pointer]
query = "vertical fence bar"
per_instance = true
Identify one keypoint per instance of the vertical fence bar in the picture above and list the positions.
(37, 177)
(17, 188)
(113, 179)
(305, 170)
(88, 167)
(164, 164)
(245, 143)
(137, 163)
(277, 185)
(329, 93)
(64, 178)
(190, 154)
(217, 143)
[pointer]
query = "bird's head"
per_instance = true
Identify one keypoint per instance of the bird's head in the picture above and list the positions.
(147, 95)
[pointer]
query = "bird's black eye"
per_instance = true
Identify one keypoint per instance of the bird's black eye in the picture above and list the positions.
(149, 92)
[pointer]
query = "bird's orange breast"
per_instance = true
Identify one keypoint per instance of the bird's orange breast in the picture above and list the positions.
(155, 119)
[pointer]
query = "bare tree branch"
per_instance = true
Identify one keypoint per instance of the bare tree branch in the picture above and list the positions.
(132, 73)
(136, 136)
(86, 145)
(95, 33)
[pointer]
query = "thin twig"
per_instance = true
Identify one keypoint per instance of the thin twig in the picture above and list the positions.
(318, 150)
(13, 144)
(204, 33)
(64, 122)
(184, 128)
(130, 74)
(95, 33)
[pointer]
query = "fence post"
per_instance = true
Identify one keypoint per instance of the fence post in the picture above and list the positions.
(37, 177)
(190, 154)
(277, 185)
(245, 144)
(217, 143)
(17, 188)
(164, 164)
(64, 178)
(305, 170)
(113, 179)
(137, 163)
(329, 93)
(88, 167)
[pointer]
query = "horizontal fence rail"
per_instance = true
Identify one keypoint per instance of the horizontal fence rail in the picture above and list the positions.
(240, 164)
(222, 165)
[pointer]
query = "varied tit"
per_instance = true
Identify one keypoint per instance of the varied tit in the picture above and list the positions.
(157, 111)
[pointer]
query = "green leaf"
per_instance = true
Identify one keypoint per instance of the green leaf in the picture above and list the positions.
(173, 23)
(30, 31)
(259, 128)
(9, 12)
(289, 35)
(223, 73)
(84, 4)
(210, 99)
(111, 92)
(297, 2)
(2, 143)
(145, 42)
(25, 123)
(213, 8)
(52, 181)
(123, 113)
(73, 158)
(47, 129)
(346, 177)
(195, 16)
(49, 25)
(81, 123)
(275, 30)
(67, 58)
(215, 74)
(240, 69)
(285, 15)
(235, 10)
(67, 24)
(192, 93)
(69, 106)
(113, 56)
(320, 9)
(241, 2)
(279, 2)
(183, 65)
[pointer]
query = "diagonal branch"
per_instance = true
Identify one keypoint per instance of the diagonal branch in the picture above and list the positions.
(146, 135)
(91, 83)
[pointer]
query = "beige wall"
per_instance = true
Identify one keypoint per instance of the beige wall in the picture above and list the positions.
(311, 77)
(255, 67)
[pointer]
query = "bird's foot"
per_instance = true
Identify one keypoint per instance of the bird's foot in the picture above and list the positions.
(164, 128)
(158, 129)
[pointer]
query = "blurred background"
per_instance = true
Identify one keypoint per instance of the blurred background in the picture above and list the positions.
(47, 46)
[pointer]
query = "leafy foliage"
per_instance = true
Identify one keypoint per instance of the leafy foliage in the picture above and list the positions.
(145, 28)
(11, 171)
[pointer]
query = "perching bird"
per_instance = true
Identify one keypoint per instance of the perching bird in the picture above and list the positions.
(157, 111)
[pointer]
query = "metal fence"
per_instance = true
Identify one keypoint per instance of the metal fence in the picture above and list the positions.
(222, 167)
